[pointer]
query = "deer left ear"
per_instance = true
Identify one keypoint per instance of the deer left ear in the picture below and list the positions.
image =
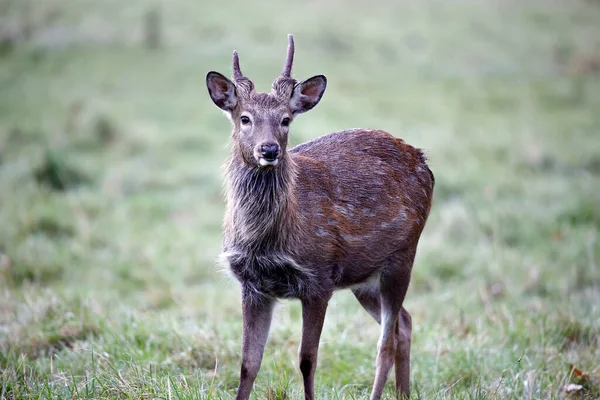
(307, 94)
(221, 91)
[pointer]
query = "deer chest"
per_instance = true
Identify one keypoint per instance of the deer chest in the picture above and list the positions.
(275, 275)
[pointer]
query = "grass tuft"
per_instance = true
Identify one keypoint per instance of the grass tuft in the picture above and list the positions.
(57, 174)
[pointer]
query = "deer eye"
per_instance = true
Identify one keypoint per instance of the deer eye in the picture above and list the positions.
(245, 120)
(285, 122)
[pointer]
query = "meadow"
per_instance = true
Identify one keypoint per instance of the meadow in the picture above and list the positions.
(111, 193)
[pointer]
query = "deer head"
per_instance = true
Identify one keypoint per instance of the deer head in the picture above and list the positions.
(261, 121)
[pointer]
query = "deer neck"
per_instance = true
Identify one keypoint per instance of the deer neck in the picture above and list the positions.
(262, 212)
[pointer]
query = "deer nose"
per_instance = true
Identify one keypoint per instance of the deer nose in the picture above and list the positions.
(269, 151)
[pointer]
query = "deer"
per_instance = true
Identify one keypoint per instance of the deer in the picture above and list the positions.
(344, 210)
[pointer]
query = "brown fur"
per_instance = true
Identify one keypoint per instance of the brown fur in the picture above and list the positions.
(343, 210)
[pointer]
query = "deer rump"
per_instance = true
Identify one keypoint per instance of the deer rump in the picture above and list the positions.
(355, 203)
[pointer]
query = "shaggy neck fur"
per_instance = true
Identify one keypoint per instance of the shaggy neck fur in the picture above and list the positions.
(262, 215)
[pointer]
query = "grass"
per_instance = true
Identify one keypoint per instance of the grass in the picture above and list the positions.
(111, 203)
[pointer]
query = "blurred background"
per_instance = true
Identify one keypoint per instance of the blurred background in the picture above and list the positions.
(111, 192)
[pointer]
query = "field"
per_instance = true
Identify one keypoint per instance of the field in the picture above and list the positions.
(111, 193)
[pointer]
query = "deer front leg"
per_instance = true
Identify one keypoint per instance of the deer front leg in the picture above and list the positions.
(313, 315)
(256, 314)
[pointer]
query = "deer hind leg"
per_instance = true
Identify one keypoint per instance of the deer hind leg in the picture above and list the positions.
(402, 362)
(386, 347)
(370, 300)
(384, 304)
(368, 297)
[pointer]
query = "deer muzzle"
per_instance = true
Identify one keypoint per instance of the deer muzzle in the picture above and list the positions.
(269, 154)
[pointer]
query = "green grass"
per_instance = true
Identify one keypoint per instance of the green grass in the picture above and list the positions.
(111, 199)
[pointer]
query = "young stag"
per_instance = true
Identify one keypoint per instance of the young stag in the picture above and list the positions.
(345, 210)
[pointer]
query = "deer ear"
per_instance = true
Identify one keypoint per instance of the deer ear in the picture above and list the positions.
(307, 94)
(221, 91)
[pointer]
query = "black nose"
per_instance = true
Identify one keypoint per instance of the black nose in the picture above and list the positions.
(269, 151)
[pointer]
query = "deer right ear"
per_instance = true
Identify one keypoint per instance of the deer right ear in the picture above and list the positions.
(221, 91)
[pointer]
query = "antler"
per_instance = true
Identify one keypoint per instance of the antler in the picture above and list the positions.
(284, 84)
(240, 80)
(237, 73)
(287, 69)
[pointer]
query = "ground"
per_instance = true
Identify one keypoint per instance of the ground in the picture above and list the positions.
(111, 195)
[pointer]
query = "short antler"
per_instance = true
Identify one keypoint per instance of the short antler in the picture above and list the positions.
(240, 80)
(237, 73)
(287, 69)
(284, 84)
